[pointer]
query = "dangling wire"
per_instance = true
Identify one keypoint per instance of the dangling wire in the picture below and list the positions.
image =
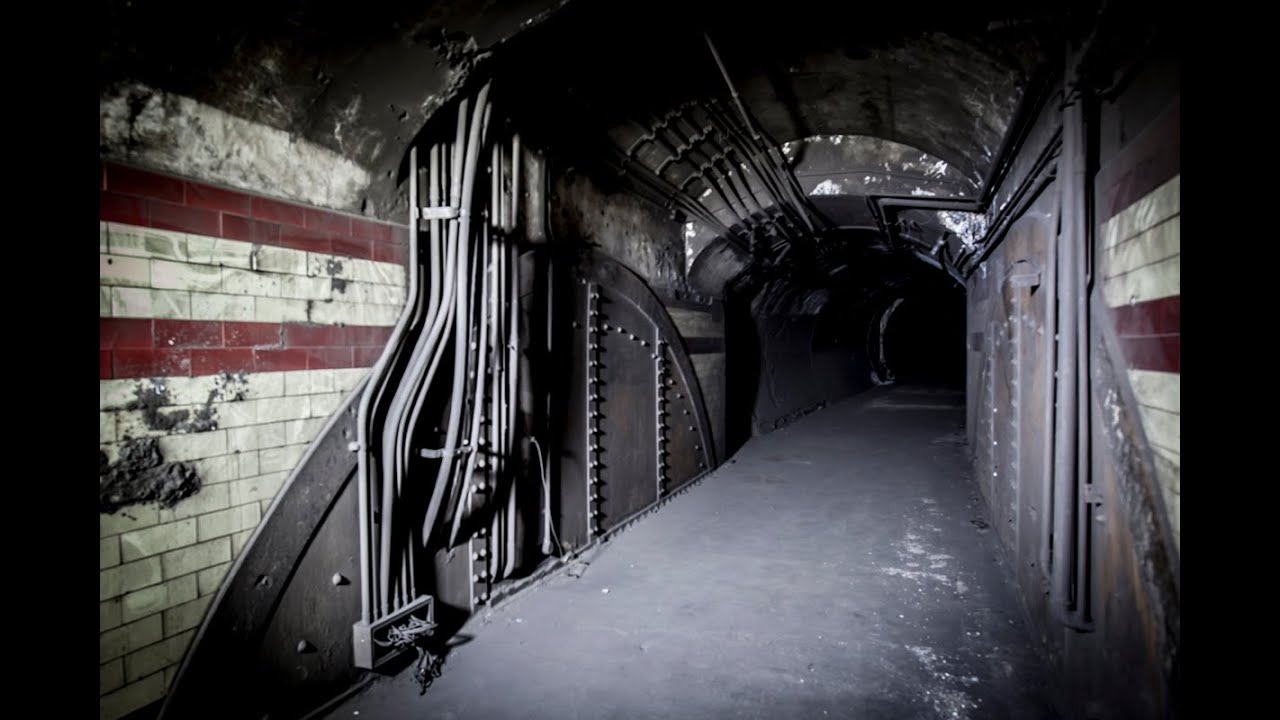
(546, 486)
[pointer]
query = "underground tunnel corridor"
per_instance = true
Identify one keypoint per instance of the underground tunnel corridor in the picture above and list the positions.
(631, 360)
(840, 567)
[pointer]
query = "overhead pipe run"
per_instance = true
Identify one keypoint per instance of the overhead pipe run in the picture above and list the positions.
(768, 213)
(792, 187)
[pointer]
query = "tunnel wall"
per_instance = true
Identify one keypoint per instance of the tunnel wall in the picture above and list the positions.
(648, 242)
(231, 326)
(1139, 267)
(167, 132)
(799, 372)
(1114, 644)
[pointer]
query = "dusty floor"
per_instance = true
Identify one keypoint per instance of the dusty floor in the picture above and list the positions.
(840, 567)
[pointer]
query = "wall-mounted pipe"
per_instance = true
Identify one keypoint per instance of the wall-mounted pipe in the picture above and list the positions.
(1070, 537)
(512, 367)
(1081, 119)
(373, 391)
(463, 229)
(1049, 465)
(396, 440)
(1042, 172)
(1034, 97)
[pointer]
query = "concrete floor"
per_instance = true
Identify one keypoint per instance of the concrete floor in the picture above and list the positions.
(840, 567)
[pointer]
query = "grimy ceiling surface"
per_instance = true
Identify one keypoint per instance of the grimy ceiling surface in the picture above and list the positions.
(362, 79)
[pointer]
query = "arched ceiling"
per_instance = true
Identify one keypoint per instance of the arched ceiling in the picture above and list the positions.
(362, 80)
(944, 94)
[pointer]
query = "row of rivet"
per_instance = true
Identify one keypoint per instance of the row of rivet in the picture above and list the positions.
(623, 331)
(991, 398)
(662, 373)
(594, 450)
(479, 544)
(684, 412)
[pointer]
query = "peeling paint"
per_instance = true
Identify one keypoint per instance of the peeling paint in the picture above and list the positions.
(143, 126)
(151, 395)
(141, 475)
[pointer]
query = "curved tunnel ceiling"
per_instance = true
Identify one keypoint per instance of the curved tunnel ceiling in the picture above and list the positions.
(362, 81)
(838, 173)
(865, 165)
(945, 94)
(931, 95)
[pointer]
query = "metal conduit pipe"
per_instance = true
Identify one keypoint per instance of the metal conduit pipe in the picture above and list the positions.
(485, 398)
(767, 172)
(498, 459)
(494, 212)
(725, 188)
(364, 460)
(513, 381)
(1067, 419)
(737, 173)
(1079, 126)
(735, 142)
(460, 393)
(495, 429)
(394, 463)
(701, 174)
(446, 319)
(791, 192)
(740, 185)
(446, 330)
(705, 176)
(503, 208)
(448, 190)
(1047, 491)
(515, 182)
(463, 227)
(713, 162)
(470, 336)
(687, 147)
(666, 192)
(511, 367)
(435, 179)
(783, 195)
(433, 230)
(493, 425)
(480, 350)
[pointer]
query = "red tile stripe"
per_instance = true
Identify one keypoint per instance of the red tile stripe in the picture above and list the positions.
(1161, 316)
(1160, 353)
(149, 199)
(132, 348)
(1151, 334)
(1147, 161)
